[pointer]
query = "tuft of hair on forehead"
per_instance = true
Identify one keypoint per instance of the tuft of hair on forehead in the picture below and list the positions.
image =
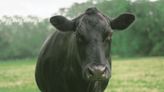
(91, 11)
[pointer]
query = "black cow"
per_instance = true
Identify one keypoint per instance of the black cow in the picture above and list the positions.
(76, 58)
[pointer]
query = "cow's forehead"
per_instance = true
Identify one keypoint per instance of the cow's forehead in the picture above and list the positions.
(94, 21)
(94, 16)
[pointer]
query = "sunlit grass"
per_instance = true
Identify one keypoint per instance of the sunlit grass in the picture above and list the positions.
(128, 75)
(17, 76)
(137, 75)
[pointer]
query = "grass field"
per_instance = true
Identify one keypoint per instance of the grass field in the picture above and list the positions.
(128, 75)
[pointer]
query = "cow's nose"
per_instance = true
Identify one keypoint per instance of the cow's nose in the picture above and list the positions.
(97, 72)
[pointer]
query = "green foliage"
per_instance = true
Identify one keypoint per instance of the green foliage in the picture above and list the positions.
(128, 75)
(22, 37)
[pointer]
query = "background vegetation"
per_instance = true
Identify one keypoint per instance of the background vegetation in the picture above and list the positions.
(21, 37)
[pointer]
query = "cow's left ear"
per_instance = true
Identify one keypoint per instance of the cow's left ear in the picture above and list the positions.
(62, 23)
(122, 21)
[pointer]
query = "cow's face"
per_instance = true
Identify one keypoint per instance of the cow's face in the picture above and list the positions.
(93, 34)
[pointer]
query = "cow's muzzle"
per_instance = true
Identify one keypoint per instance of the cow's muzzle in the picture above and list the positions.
(97, 72)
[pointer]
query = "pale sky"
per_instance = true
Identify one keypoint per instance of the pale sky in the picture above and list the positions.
(41, 8)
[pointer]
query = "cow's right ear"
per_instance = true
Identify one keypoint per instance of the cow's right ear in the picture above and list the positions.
(62, 23)
(122, 21)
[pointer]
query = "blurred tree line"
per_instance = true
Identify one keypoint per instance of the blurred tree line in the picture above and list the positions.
(22, 37)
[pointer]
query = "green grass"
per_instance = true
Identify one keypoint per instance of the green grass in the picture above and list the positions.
(128, 75)
(17, 76)
(137, 75)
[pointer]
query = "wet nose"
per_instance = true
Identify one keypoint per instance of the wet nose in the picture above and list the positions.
(97, 72)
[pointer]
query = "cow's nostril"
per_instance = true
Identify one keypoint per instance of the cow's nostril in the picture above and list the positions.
(96, 72)
(90, 72)
(101, 69)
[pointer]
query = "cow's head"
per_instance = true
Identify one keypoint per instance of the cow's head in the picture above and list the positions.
(94, 32)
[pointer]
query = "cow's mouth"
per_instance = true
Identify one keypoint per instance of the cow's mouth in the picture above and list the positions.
(95, 86)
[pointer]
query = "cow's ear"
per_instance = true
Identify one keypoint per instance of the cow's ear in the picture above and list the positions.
(123, 21)
(62, 23)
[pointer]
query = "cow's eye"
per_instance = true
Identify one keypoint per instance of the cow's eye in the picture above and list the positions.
(80, 38)
(107, 36)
